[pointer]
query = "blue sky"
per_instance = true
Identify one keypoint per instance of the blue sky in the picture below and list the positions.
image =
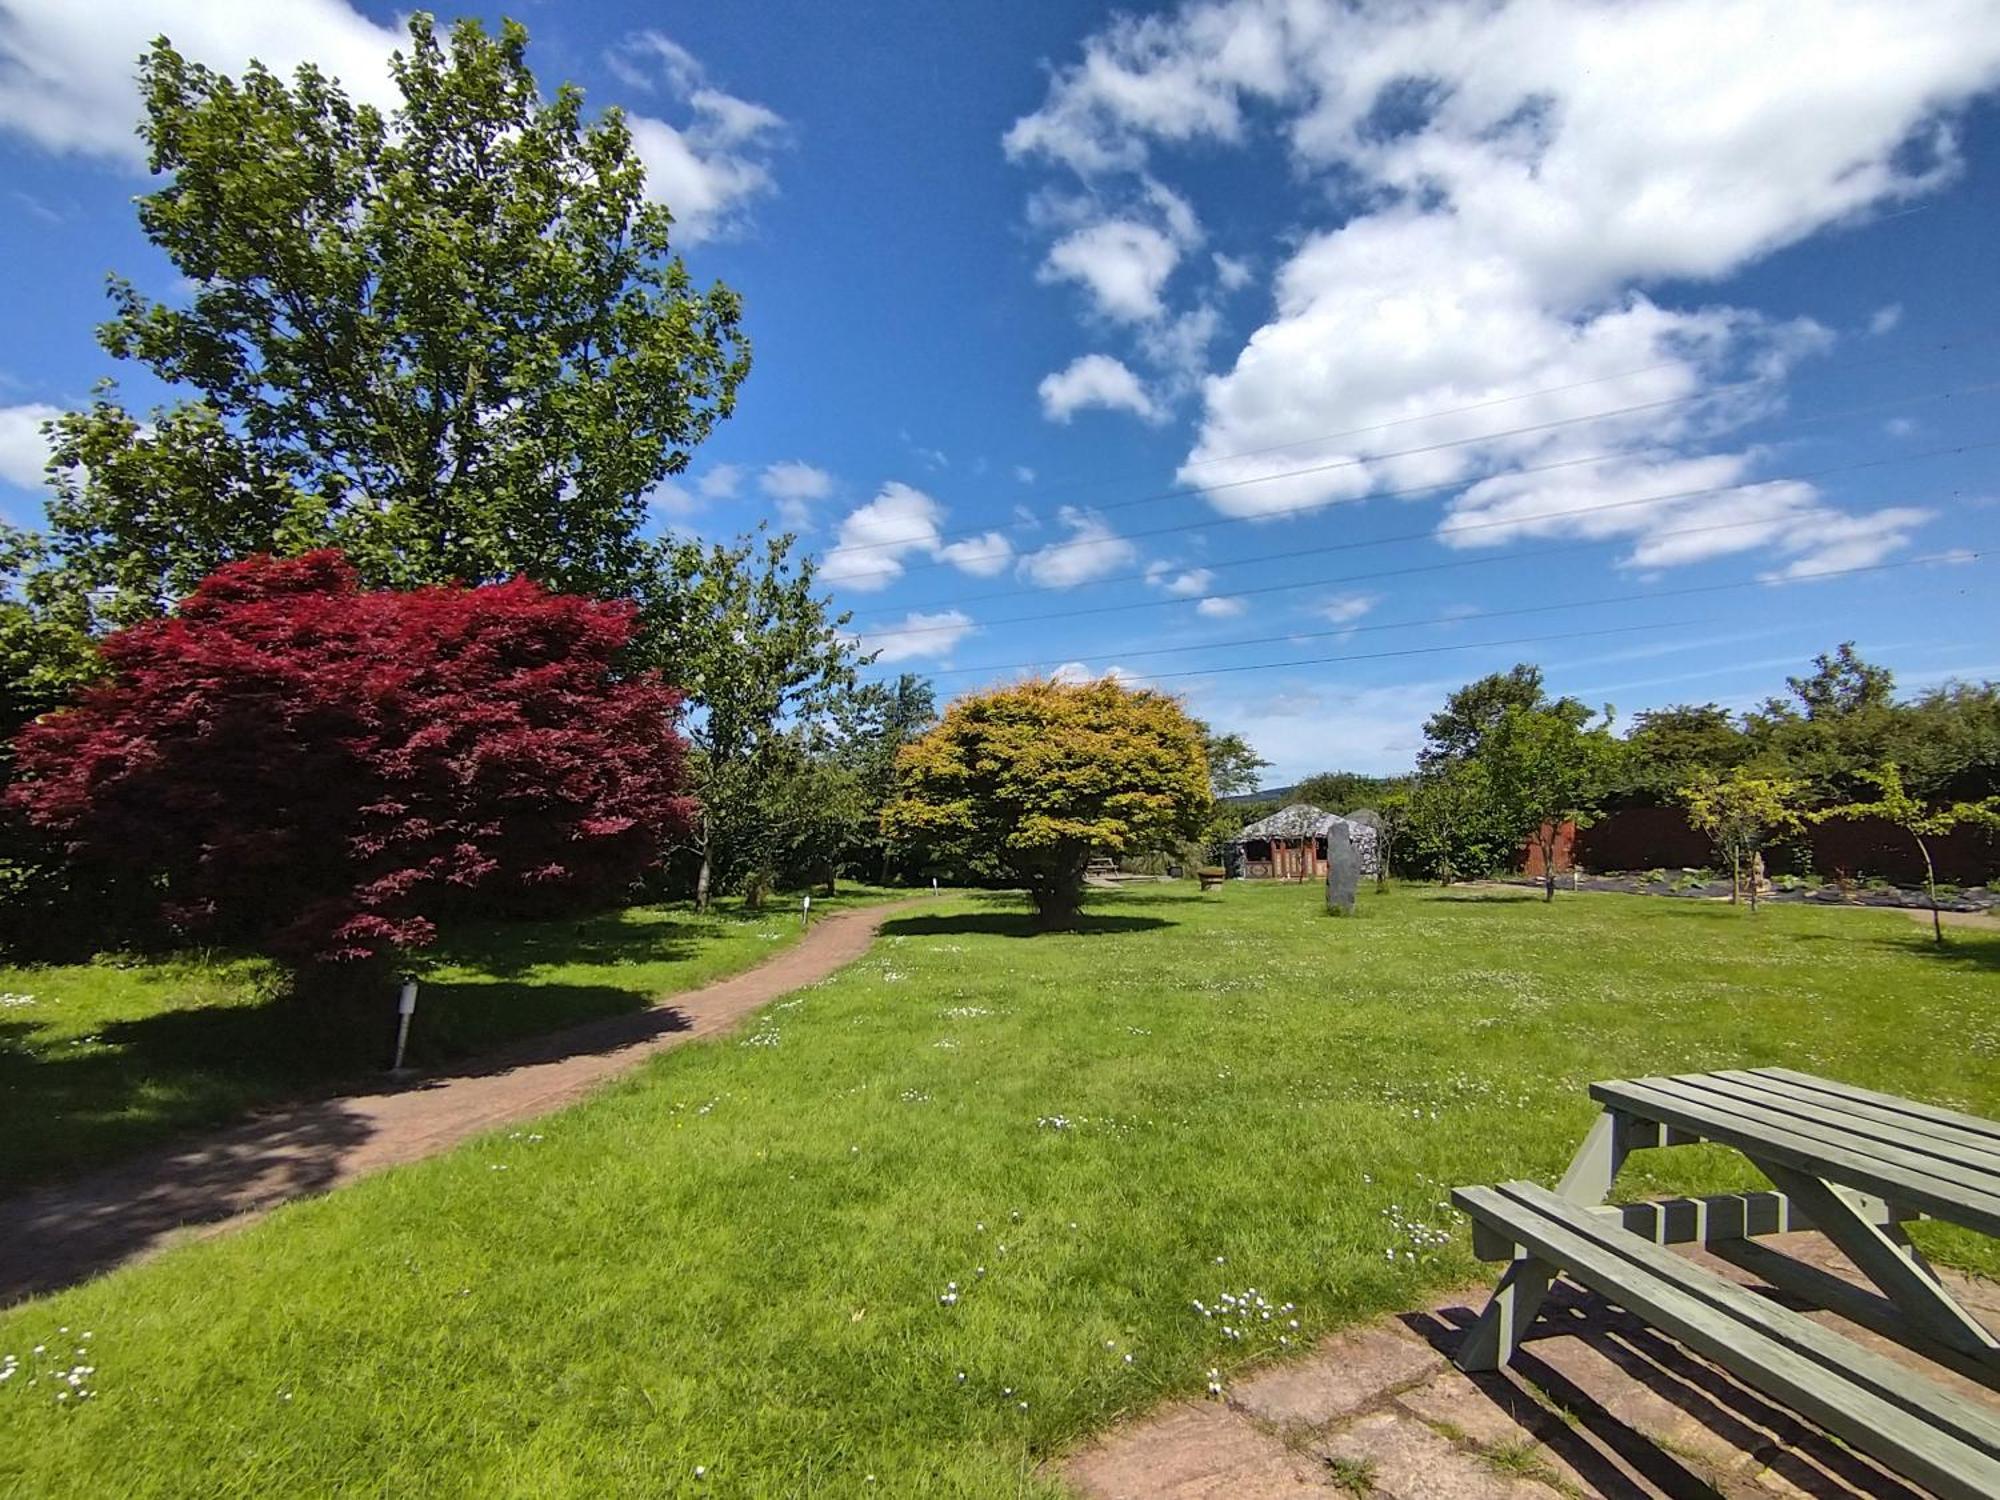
(1305, 360)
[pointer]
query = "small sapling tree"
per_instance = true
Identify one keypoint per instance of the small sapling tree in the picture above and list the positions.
(1743, 812)
(1922, 821)
(1547, 768)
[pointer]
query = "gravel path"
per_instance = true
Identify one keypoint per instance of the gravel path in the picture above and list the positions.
(60, 1235)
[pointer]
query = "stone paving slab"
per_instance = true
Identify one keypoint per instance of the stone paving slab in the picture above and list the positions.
(1595, 1404)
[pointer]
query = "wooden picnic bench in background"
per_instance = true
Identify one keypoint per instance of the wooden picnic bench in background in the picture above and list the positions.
(1854, 1165)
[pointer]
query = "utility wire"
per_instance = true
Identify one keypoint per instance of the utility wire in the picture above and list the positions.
(1241, 593)
(1073, 483)
(1709, 394)
(1493, 614)
(1568, 463)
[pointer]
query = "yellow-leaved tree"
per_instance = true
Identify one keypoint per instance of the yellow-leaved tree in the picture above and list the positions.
(1044, 775)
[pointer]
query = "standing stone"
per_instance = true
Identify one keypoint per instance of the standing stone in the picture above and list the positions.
(1343, 871)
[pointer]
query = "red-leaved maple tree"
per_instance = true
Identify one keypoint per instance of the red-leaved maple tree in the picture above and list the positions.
(325, 771)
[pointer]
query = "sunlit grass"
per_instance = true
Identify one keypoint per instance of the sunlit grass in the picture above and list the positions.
(99, 1059)
(934, 1220)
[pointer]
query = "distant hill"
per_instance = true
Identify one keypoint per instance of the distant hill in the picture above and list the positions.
(1272, 794)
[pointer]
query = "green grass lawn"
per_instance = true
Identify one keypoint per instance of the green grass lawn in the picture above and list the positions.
(922, 1226)
(99, 1059)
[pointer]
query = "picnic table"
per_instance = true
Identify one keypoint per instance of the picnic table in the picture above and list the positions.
(1852, 1163)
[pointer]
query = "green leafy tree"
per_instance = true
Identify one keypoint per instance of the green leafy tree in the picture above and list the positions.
(1545, 769)
(1668, 747)
(1453, 826)
(1921, 820)
(1392, 826)
(451, 340)
(1234, 769)
(877, 720)
(1840, 721)
(1743, 812)
(1342, 791)
(740, 630)
(1045, 775)
(1458, 730)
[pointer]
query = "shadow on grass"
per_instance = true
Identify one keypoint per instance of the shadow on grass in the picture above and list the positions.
(1961, 949)
(60, 1236)
(75, 1105)
(1016, 924)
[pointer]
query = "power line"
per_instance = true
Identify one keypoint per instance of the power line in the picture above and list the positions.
(1240, 593)
(1495, 614)
(1692, 397)
(1213, 521)
(1076, 482)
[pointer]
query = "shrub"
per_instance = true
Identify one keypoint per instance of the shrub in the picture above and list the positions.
(1047, 774)
(325, 772)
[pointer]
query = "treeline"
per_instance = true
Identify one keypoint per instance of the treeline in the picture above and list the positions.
(1504, 766)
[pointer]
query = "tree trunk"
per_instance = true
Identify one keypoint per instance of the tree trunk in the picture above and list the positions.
(701, 881)
(1058, 899)
(1930, 889)
(1756, 876)
(1548, 843)
(1735, 876)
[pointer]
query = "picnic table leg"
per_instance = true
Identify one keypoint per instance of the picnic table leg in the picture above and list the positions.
(1885, 1255)
(1490, 1342)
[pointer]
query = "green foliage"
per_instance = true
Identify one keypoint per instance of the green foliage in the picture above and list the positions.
(1743, 812)
(1920, 819)
(1667, 747)
(1544, 768)
(1454, 832)
(452, 341)
(1344, 791)
(1234, 769)
(741, 631)
(1048, 774)
(1458, 730)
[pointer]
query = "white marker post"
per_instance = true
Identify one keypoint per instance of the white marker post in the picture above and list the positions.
(805, 911)
(406, 1006)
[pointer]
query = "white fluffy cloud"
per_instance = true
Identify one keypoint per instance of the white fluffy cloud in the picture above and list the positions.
(67, 70)
(1122, 264)
(1095, 380)
(720, 482)
(1519, 173)
(1185, 584)
(793, 480)
(918, 636)
(794, 485)
(1077, 672)
(1220, 607)
(901, 521)
(1091, 550)
(67, 83)
(1345, 609)
(713, 165)
(23, 449)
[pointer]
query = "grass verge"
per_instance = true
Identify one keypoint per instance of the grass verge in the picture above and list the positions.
(921, 1227)
(100, 1059)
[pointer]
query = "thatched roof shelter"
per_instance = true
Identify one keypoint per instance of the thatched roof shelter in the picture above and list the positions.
(1291, 843)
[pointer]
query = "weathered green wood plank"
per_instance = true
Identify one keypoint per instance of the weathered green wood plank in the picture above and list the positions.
(1861, 1109)
(1830, 1118)
(1772, 1137)
(1925, 1434)
(1930, 1112)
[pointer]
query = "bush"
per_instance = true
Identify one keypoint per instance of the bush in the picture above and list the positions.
(324, 772)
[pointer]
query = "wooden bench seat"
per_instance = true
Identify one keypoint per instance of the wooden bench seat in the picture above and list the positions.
(1927, 1434)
